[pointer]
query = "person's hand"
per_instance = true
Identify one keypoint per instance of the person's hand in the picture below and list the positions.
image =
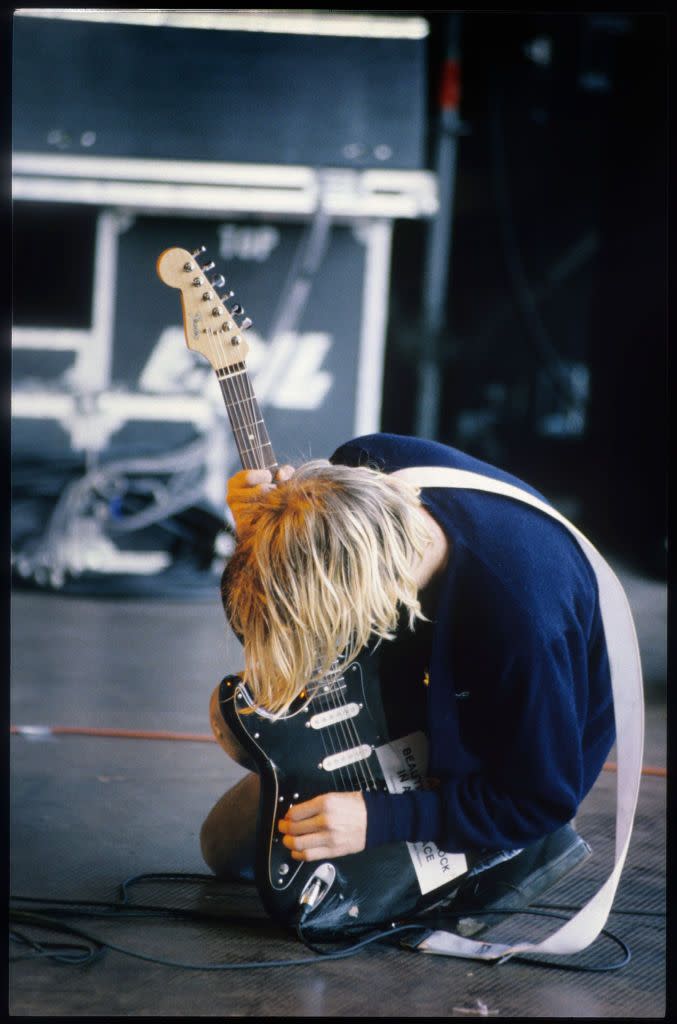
(330, 825)
(246, 487)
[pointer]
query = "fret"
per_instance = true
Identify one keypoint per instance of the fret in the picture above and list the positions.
(266, 462)
(250, 451)
(245, 433)
(251, 399)
(235, 395)
(250, 423)
(249, 429)
(230, 373)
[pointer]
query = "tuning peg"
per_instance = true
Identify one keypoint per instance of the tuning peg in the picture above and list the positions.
(209, 266)
(199, 251)
(226, 296)
(218, 281)
(237, 309)
(246, 323)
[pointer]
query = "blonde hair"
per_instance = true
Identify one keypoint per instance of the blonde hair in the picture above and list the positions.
(326, 565)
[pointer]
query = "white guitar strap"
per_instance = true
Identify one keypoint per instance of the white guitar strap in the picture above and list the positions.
(626, 681)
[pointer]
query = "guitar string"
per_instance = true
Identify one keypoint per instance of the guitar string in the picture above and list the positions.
(319, 699)
(245, 417)
(340, 727)
(212, 295)
(329, 706)
(254, 427)
(244, 405)
(358, 778)
(236, 401)
(346, 726)
(243, 422)
(247, 421)
(350, 730)
(243, 414)
(245, 399)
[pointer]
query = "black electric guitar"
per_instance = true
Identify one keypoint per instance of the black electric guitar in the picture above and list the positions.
(336, 736)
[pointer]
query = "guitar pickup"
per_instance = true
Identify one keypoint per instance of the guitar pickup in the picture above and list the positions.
(333, 716)
(346, 757)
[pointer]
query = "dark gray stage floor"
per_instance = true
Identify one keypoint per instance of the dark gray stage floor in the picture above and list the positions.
(88, 812)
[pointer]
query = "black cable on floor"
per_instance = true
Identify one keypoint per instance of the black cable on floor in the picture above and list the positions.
(161, 876)
(44, 921)
(66, 953)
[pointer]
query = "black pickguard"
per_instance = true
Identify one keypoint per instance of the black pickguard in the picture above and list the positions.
(367, 888)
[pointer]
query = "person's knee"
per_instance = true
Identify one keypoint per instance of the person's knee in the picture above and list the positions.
(227, 835)
(208, 845)
(224, 735)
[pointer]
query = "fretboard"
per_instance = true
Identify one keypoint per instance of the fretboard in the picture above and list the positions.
(249, 429)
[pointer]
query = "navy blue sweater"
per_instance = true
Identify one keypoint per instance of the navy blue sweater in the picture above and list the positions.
(519, 708)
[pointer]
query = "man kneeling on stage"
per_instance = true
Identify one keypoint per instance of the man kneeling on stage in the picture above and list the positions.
(492, 643)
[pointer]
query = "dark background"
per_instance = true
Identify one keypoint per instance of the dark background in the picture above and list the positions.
(561, 189)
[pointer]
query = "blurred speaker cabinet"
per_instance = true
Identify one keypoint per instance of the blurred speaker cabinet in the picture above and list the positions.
(310, 89)
(125, 382)
(124, 146)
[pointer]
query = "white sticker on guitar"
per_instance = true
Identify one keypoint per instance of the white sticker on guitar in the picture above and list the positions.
(434, 867)
(404, 763)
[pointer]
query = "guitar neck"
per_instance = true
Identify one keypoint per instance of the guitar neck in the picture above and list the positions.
(216, 331)
(248, 426)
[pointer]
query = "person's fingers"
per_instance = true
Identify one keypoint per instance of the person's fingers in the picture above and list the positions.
(284, 473)
(307, 809)
(309, 842)
(303, 827)
(316, 853)
(250, 478)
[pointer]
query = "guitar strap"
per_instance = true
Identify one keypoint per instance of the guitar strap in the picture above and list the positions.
(626, 682)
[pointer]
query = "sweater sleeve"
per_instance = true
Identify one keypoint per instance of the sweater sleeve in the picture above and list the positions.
(531, 781)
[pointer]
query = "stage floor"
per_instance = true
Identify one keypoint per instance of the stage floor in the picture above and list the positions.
(90, 811)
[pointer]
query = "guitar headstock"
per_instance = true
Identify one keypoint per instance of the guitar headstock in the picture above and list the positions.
(210, 326)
